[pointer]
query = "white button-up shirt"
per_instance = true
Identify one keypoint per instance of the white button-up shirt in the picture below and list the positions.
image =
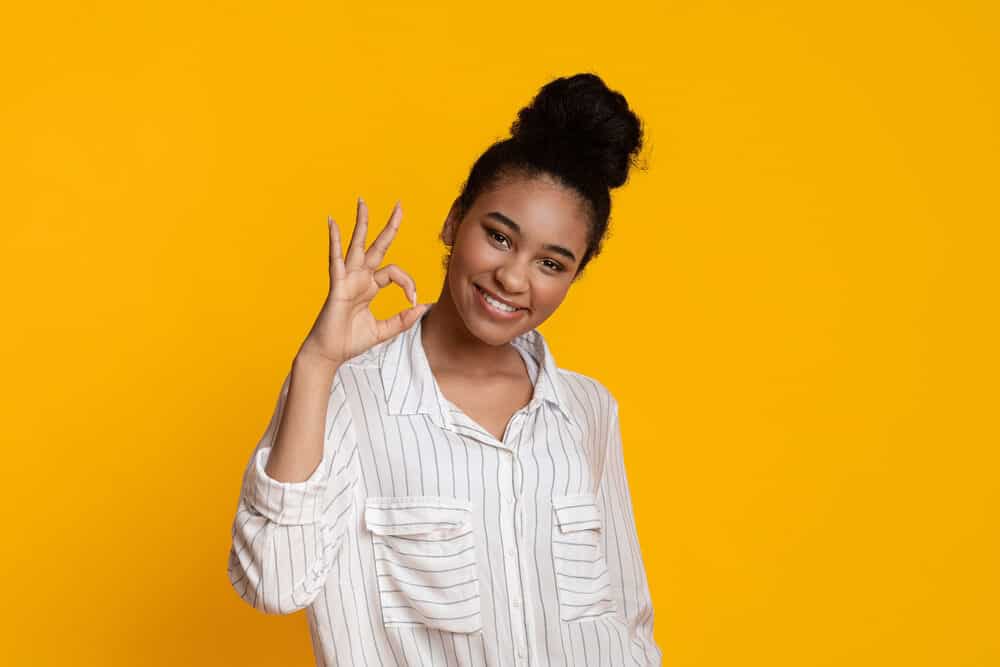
(421, 539)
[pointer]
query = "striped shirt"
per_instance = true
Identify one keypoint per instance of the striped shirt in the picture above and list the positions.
(421, 539)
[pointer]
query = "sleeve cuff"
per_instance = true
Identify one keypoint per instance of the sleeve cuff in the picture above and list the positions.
(287, 503)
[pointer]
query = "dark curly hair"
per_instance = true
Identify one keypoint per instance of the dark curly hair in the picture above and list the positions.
(577, 131)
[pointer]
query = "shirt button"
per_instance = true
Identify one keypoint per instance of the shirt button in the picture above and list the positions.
(510, 552)
(509, 500)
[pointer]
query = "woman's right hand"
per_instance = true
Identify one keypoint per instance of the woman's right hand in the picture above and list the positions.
(346, 327)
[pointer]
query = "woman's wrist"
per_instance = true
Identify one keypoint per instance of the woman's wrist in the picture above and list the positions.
(309, 358)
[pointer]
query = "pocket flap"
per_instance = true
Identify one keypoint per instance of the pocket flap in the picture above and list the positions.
(579, 512)
(431, 516)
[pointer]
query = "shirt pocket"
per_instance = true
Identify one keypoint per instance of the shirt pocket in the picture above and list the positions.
(582, 578)
(425, 561)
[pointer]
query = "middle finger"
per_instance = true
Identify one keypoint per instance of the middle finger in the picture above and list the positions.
(356, 249)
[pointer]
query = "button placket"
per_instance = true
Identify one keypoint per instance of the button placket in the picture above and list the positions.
(514, 566)
(518, 611)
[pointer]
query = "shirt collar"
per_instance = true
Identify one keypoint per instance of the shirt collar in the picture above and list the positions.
(410, 386)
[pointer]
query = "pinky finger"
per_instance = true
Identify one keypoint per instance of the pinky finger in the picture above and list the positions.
(337, 269)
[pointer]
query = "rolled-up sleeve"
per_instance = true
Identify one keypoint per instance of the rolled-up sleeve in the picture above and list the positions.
(286, 535)
(625, 562)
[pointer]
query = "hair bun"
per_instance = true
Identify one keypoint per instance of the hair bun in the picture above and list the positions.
(579, 119)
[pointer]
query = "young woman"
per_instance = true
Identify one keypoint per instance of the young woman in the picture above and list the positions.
(432, 488)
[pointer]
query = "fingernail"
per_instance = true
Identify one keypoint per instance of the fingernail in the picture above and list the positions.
(360, 200)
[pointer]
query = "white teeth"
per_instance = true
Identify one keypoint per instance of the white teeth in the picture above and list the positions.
(496, 304)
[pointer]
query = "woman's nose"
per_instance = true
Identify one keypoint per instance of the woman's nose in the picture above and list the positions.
(512, 277)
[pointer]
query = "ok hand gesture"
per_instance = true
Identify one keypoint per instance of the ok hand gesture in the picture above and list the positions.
(346, 327)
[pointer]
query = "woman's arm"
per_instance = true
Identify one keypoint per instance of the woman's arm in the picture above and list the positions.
(289, 527)
(625, 564)
(298, 445)
(298, 489)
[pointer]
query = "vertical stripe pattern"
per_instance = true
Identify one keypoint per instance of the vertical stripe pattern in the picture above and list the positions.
(423, 540)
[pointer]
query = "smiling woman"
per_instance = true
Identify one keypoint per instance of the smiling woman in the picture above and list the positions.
(434, 489)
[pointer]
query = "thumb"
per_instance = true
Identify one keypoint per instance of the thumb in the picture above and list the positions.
(417, 311)
(401, 321)
(410, 316)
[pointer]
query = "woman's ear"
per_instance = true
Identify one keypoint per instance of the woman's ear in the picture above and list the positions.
(450, 227)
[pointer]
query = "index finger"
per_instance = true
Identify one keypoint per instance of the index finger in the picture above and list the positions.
(375, 253)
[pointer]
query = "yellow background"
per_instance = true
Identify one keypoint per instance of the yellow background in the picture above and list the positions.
(797, 308)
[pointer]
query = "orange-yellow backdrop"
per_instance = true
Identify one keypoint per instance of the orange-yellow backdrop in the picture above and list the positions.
(796, 310)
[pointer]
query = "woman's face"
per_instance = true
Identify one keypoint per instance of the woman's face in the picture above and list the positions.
(520, 242)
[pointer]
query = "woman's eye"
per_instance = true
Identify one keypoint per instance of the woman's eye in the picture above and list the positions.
(495, 235)
(555, 266)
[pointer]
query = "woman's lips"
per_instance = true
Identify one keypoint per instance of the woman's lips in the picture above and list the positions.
(498, 314)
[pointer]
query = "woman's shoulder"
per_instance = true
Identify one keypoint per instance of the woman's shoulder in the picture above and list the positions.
(580, 388)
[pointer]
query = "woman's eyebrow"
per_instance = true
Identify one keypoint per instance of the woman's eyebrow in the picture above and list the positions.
(504, 220)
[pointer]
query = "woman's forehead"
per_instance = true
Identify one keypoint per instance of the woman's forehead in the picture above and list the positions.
(534, 202)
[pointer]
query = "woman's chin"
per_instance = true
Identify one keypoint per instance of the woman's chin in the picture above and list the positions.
(488, 331)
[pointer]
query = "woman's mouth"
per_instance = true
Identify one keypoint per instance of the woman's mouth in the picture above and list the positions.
(495, 308)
